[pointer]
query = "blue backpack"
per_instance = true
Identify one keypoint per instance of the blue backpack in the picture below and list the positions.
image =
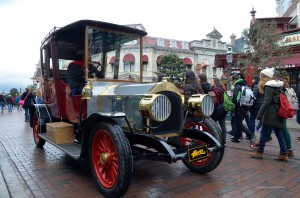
(246, 97)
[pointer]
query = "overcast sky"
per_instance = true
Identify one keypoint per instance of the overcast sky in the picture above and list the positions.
(24, 23)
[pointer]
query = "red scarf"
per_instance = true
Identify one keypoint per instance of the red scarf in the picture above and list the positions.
(78, 63)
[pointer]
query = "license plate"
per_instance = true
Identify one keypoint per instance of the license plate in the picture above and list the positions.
(197, 153)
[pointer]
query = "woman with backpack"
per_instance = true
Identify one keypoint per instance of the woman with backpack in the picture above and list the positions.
(219, 113)
(285, 131)
(268, 113)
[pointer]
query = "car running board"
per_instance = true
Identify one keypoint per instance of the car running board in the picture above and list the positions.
(73, 150)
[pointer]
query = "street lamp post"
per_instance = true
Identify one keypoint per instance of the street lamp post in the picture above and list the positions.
(229, 62)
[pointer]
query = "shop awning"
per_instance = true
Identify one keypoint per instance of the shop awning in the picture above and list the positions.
(158, 59)
(187, 61)
(112, 60)
(128, 58)
(289, 62)
(294, 59)
(145, 59)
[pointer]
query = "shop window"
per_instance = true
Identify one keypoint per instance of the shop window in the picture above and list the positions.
(145, 66)
(185, 45)
(160, 42)
(112, 67)
(129, 66)
(173, 44)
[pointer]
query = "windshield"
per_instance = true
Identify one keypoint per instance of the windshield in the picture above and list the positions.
(105, 50)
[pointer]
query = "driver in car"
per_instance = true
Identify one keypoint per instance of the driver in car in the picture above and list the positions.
(75, 74)
(76, 71)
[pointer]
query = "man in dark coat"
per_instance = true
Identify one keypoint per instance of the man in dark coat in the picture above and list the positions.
(75, 74)
(240, 111)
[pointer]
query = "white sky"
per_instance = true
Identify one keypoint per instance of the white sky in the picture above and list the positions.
(24, 23)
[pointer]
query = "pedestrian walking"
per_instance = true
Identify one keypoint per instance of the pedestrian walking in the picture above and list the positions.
(9, 103)
(259, 99)
(232, 132)
(268, 112)
(28, 98)
(17, 102)
(285, 131)
(2, 103)
(240, 110)
(219, 114)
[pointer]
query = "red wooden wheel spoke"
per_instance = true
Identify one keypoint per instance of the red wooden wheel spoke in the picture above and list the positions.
(36, 129)
(106, 170)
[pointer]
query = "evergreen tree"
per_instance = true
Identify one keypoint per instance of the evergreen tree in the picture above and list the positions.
(172, 66)
(265, 47)
(14, 92)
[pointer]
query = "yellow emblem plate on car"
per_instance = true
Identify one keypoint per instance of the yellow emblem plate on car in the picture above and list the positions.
(198, 153)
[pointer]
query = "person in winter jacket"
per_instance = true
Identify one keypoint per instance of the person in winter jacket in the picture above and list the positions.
(285, 131)
(75, 74)
(205, 86)
(240, 111)
(29, 99)
(259, 99)
(219, 114)
(268, 112)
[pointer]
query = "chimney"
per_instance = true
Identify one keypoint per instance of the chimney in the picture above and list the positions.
(253, 16)
(232, 38)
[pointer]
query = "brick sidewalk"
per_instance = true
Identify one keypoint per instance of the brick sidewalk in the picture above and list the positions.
(49, 172)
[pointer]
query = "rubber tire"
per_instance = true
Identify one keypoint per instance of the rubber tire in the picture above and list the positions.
(215, 158)
(116, 143)
(39, 142)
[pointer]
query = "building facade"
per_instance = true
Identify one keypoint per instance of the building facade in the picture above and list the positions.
(288, 24)
(290, 10)
(197, 55)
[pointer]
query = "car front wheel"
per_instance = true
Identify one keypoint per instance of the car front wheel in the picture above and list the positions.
(110, 159)
(214, 158)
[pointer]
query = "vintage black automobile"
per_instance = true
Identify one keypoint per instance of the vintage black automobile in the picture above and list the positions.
(115, 121)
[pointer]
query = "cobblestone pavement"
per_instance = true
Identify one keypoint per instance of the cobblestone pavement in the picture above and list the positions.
(28, 171)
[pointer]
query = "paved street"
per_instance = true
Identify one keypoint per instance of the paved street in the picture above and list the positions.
(27, 171)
